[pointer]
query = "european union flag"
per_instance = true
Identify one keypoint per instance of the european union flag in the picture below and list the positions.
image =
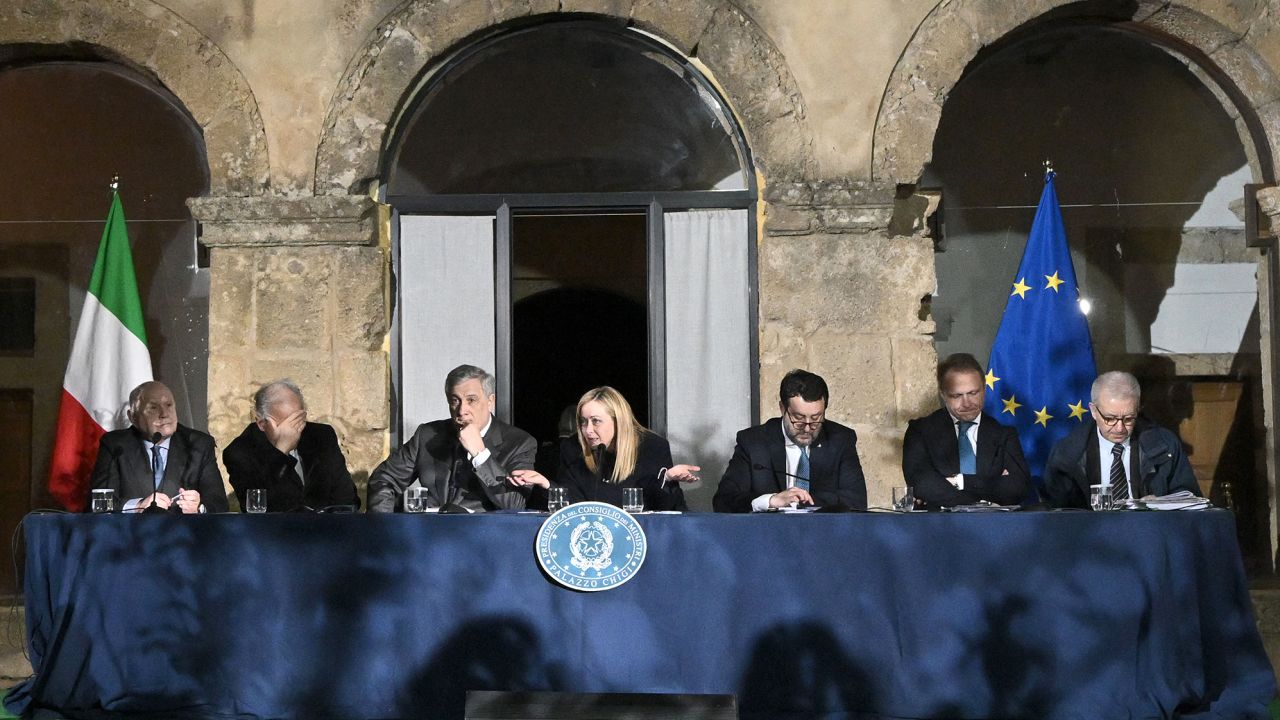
(1041, 364)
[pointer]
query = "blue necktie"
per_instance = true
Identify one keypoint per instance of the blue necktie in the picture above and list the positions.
(802, 470)
(157, 465)
(968, 461)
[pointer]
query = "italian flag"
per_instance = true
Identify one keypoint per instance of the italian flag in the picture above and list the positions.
(109, 358)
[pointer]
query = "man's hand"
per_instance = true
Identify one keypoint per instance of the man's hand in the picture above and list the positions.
(469, 436)
(161, 501)
(791, 496)
(188, 501)
(284, 435)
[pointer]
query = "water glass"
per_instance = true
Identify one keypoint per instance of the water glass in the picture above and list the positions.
(103, 500)
(415, 500)
(1100, 497)
(904, 499)
(557, 498)
(255, 500)
(633, 500)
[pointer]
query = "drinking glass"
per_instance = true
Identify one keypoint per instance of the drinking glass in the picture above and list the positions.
(415, 500)
(904, 499)
(1100, 497)
(557, 499)
(633, 500)
(103, 500)
(255, 500)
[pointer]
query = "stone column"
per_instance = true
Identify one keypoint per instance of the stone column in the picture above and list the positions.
(1269, 203)
(845, 268)
(298, 289)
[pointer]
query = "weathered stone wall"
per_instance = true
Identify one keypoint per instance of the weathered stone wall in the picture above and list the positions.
(299, 290)
(841, 295)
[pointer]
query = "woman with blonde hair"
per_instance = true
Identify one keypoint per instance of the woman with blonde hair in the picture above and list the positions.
(612, 451)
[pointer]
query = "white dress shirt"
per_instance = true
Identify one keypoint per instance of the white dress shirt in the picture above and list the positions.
(1104, 460)
(761, 504)
(972, 433)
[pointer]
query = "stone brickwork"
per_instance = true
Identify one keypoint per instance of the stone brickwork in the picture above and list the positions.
(299, 290)
(157, 43)
(840, 294)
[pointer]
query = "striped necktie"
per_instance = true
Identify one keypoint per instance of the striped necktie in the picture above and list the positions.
(1119, 483)
(802, 470)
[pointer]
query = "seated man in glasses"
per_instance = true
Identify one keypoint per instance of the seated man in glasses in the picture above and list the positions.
(798, 459)
(1116, 447)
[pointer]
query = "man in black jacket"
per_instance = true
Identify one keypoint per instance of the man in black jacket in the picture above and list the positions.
(800, 458)
(298, 462)
(1117, 448)
(158, 462)
(464, 461)
(959, 455)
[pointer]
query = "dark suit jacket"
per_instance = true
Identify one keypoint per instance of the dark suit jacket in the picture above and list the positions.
(1157, 464)
(123, 466)
(253, 462)
(652, 456)
(435, 459)
(759, 466)
(931, 454)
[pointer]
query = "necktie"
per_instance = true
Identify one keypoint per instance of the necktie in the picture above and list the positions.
(157, 466)
(802, 470)
(968, 461)
(1119, 485)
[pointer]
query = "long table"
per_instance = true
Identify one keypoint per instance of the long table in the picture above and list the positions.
(1044, 615)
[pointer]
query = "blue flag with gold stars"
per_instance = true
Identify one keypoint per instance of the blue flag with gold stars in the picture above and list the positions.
(1041, 364)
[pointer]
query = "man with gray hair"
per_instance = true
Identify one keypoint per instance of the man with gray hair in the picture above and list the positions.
(462, 462)
(298, 463)
(1116, 447)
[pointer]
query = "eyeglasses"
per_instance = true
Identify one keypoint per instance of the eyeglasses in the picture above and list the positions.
(800, 422)
(1112, 421)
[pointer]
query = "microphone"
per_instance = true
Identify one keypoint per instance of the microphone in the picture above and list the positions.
(153, 508)
(447, 507)
(597, 453)
(758, 466)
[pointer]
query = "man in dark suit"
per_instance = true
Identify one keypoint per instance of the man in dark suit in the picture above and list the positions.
(800, 458)
(959, 455)
(1116, 447)
(296, 461)
(157, 461)
(463, 461)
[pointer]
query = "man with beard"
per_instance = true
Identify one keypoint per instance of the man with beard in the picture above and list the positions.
(800, 458)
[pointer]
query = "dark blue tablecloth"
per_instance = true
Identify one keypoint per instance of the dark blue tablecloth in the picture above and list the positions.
(1038, 615)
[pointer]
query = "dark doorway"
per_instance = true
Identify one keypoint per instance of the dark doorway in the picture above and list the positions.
(579, 291)
(15, 456)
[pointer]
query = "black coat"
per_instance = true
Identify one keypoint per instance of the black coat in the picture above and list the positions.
(434, 459)
(759, 465)
(931, 454)
(123, 466)
(652, 456)
(253, 462)
(1158, 467)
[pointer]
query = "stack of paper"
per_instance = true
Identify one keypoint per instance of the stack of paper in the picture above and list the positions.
(1183, 500)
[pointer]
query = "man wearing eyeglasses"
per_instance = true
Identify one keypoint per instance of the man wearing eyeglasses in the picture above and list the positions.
(959, 455)
(1116, 447)
(798, 459)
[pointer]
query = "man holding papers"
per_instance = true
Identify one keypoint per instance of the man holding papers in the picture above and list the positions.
(1117, 448)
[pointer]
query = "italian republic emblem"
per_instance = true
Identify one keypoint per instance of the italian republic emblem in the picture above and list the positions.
(591, 546)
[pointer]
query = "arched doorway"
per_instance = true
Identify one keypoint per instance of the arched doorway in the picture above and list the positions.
(68, 127)
(1152, 164)
(574, 209)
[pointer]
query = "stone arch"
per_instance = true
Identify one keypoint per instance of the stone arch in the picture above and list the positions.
(953, 33)
(157, 43)
(730, 47)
